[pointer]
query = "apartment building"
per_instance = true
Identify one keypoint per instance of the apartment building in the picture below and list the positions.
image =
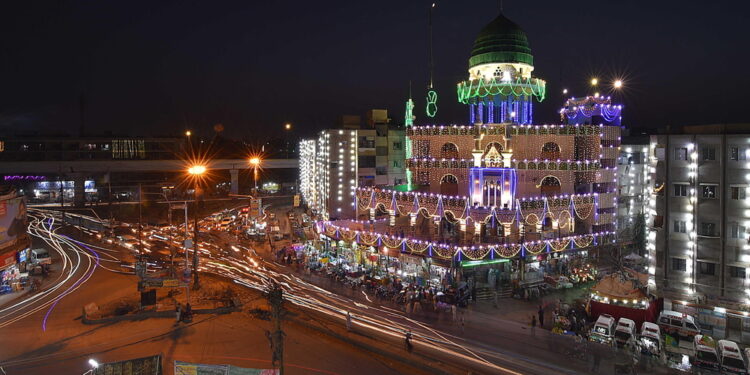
(699, 214)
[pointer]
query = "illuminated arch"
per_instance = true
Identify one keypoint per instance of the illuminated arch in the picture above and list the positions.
(449, 151)
(449, 184)
(550, 185)
(551, 151)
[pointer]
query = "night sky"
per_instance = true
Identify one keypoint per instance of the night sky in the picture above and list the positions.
(159, 67)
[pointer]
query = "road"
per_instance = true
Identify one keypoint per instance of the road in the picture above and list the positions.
(77, 265)
(485, 344)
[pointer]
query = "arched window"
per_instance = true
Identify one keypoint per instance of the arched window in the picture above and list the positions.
(551, 151)
(550, 186)
(449, 150)
(449, 185)
(497, 146)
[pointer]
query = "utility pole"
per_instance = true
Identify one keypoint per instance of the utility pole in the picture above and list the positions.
(276, 300)
(140, 224)
(196, 282)
(62, 197)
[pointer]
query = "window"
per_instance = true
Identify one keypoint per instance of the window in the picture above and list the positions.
(679, 226)
(367, 162)
(396, 164)
(737, 153)
(680, 153)
(708, 229)
(738, 192)
(737, 272)
(738, 231)
(707, 268)
(708, 191)
(679, 264)
(397, 146)
(680, 190)
(708, 153)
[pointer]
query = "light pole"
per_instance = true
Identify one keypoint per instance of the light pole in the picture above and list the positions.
(255, 163)
(287, 129)
(196, 171)
(94, 365)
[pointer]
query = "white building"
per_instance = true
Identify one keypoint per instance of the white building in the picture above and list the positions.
(699, 214)
(632, 188)
(328, 172)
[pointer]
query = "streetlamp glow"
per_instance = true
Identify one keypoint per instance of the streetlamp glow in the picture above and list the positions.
(287, 126)
(594, 81)
(188, 133)
(93, 363)
(197, 170)
(618, 84)
(255, 161)
(565, 91)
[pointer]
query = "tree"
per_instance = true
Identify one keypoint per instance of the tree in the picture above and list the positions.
(639, 234)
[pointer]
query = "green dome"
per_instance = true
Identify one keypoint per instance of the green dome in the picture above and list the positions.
(501, 41)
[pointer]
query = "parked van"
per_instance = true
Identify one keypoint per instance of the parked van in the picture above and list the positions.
(650, 340)
(704, 353)
(678, 324)
(731, 358)
(603, 330)
(40, 256)
(624, 332)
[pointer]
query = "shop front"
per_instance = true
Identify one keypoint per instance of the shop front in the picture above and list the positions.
(10, 274)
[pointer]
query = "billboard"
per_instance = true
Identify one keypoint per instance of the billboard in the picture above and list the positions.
(139, 366)
(186, 368)
(12, 222)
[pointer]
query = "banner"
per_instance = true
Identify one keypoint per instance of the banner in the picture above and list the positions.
(186, 368)
(138, 366)
(12, 221)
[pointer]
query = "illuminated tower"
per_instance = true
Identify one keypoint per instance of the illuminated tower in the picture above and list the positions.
(500, 88)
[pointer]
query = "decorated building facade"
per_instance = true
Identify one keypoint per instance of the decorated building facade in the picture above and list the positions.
(498, 187)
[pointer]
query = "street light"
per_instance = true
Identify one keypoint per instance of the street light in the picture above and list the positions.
(188, 133)
(255, 163)
(287, 126)
(594, 81)
(618, 84)
(196, 171)
(94, 365)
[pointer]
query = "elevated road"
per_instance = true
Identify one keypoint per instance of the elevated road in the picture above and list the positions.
(105, 166)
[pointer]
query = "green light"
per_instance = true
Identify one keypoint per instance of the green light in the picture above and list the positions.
(409, 116)
(479, 88)
(474, 263)
(432, 98)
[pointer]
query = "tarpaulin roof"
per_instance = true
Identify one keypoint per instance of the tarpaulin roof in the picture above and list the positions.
(618, 285)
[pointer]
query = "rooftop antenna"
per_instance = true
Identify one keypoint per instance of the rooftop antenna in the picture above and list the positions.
(431, 108)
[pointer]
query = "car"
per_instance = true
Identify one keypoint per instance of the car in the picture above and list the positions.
(624, 332)
(704, 353)
(678, 324)
(603, 330)
(650, 340)
(731, 358)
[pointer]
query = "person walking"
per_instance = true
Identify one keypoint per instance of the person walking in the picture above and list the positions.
(408, 341)
(178, 312)
(541, 316)
(533, 325)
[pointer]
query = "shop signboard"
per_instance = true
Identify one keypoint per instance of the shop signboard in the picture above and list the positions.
(139, 366)
(12, 222)
(296, 200)
(186, 368)
(256, 207)
(8, 259)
